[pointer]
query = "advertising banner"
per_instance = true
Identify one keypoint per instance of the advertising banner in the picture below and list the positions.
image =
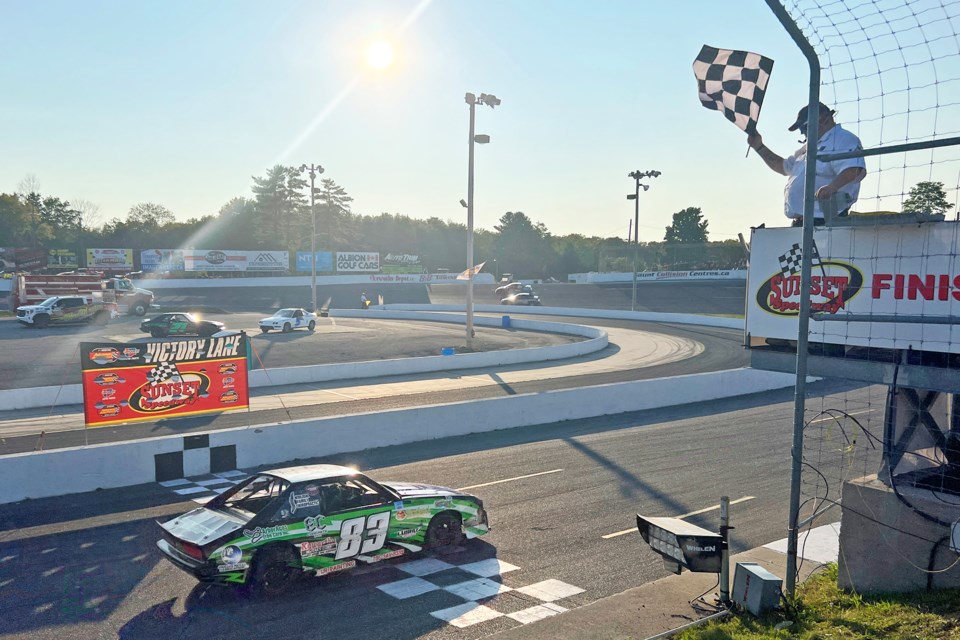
(358, 261)
(110, 259)
(214, 260)
(62, 259)
(149, 381)
(21, 259)
(278, 261)
(324, 261)
(401, 263)
(883, 270)
(161, 260)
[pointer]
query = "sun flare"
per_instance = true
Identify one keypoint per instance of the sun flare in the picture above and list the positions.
(380, 55)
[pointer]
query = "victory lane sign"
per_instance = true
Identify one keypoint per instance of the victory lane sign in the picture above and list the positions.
(132, 382)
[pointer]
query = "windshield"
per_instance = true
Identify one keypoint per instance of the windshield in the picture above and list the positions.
(49, 302)
(284, 313)
(250, 497)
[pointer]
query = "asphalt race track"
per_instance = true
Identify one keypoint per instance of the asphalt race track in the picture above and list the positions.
(86, 566)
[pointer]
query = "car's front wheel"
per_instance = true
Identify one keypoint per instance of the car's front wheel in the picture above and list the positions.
(158, 333)
(287, 328)
(139, 309)
(445, 530)
(265, 329)
(274, 570)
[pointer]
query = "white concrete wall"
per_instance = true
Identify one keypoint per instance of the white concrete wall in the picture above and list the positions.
(304, 281)
(594, 277)
(72, 394)
(644, 316)
(63, 471)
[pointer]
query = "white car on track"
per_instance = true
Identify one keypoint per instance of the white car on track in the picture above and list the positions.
(286, 320)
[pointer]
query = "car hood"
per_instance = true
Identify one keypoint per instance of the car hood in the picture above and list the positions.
(417, 490)
(202, 526)
(31, 307)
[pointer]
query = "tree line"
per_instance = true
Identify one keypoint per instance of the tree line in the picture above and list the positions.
(276, 216)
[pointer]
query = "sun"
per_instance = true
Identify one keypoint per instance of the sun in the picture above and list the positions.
(379, 55)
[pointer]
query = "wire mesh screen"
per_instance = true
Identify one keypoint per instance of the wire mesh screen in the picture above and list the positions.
(885, 288)
(891, 69)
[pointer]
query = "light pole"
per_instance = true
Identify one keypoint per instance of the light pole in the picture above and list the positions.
(314, 169)
(491, 101)
(635, 196)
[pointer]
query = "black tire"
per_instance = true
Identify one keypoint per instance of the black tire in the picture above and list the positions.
(287, 328)
(445, 530)
(312, 325)
(265, 329)
(41, 321)
(101, 317)
(158, 333)
(139, 309)
(274, 570)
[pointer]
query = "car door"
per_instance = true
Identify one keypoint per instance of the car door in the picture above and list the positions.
(361, 516)
(179, 324)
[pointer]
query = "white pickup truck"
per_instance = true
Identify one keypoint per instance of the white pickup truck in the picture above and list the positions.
(66, 310)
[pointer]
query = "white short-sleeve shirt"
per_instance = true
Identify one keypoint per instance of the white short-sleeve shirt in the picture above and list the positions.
(836, 140)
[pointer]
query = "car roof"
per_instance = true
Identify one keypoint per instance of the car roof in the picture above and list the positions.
(311, 472)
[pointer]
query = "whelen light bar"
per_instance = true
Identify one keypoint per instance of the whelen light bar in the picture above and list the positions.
(682, 544)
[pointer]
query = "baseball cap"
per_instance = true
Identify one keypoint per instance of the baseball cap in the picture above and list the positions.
(802, 116)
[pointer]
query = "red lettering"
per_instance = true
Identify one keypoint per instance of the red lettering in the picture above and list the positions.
(898, 286)
(880, 283)
(923, 286)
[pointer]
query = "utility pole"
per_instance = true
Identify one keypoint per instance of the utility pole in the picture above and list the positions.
(314, 169)
(635, 196)
(472, 100)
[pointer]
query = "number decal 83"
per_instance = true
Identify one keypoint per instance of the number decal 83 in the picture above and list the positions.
(363, 534)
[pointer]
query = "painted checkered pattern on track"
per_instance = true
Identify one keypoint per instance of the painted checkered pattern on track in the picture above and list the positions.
(201, 488)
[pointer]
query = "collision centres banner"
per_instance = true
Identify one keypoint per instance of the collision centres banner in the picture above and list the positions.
(139, 381)
(911, 271)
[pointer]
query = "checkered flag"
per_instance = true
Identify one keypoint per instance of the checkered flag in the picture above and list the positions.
(162, 372)
(791, 260)
(733, 82)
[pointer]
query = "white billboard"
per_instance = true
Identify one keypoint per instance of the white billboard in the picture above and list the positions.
(278, 261)
(354, 261)
(214, 260)
(908, 270)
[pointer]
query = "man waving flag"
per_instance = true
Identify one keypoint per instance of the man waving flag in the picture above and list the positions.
(733, 82)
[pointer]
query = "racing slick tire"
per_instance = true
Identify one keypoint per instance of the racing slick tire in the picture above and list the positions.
(445, 530)
(139, 309)
(274, 570)
(158, 333)
(287, 328)
(312, 325)
(41, 321)
(265, 329)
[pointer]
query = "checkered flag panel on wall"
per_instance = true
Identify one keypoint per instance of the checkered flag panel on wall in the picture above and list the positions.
(791, 260)
(734, 83)
(162, 372)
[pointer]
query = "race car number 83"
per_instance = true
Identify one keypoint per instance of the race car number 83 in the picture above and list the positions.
(363, 534)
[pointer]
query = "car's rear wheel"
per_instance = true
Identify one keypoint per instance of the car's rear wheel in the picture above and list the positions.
(287, 328)
(101, 317)
(445, 530)
(274, 570)
(265, 329)
(312, 325)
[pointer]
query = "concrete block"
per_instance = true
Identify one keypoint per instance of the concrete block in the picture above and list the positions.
(885, 545)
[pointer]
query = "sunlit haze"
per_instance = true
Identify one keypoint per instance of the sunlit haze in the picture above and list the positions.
(181, 102)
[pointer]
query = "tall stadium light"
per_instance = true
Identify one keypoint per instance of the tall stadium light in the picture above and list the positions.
(635, 196)
(491, 101)
(314, 170)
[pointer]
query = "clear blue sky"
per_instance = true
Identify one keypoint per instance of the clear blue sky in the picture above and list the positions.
(181, 102)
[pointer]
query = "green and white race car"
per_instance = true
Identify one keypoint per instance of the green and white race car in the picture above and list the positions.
(278, 524)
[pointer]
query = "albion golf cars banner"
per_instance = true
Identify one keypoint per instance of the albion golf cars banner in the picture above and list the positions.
(149, 381)
(110, 259)
(358, 261)
(884, 270)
